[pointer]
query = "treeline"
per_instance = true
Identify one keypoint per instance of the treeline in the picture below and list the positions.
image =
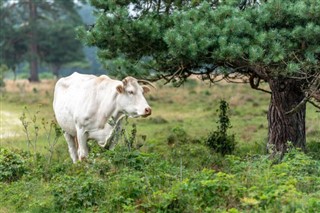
(40, 35)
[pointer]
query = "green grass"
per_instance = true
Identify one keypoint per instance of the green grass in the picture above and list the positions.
(172, 171)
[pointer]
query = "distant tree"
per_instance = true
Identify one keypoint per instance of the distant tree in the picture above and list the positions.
(12, 40)
(58, 46)
(29, 21)
(273, 41)
(3, 70)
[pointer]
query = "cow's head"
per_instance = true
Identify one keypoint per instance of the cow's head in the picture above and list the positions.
(131, 98)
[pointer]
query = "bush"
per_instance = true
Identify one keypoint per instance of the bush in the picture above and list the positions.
(178, 136)
(221, 143)
(211, 190)
(219, 140)
(77, 192)
(313, 149)
(12, 166)
(127, 188)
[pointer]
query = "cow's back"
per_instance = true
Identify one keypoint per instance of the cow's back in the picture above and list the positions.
(68, 91)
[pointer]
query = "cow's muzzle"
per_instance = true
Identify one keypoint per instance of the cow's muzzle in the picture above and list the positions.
(147, 112)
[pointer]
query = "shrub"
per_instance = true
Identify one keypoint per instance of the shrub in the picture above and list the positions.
(204, 191)
(219, 140)
(77, 192)
(178, 135)
(127, 188)
(12, 166)
(121, 158)
(313, 149)
(210, 190)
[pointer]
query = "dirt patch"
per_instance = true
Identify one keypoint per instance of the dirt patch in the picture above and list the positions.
(10, 125)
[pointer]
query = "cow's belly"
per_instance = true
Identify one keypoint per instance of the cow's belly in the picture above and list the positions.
(66, 121)
(68, 126)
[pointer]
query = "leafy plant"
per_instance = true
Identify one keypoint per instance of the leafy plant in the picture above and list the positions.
(129, 141)
(219, 140)
(177, 136)
(12, 166)
(77, 192)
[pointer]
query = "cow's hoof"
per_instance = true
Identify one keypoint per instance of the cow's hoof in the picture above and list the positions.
(83, 158)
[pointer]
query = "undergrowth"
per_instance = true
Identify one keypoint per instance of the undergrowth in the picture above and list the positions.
(130, 180)
(173, 171)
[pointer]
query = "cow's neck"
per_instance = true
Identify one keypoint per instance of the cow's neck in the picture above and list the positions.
(109, 110)
(116, 115)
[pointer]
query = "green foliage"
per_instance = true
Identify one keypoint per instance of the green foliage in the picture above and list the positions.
(58, 46)
(46, 75)
(178, 136)
(196, 34)
(219, 141)
(51, 31)
(77, 192)
(313, 149)
(12, 165)
(252, 183)
(211, 190)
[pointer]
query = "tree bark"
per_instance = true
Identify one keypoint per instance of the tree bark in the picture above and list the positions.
(33, 49)
(286, 94)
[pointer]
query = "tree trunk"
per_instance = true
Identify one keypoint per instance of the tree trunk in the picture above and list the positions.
(55, 70)
(286, 94)
(33, 49)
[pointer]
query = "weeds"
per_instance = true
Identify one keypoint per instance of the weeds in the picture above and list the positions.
(52, 135)
(30, 128)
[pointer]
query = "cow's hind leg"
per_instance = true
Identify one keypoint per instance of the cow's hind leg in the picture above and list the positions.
(82, 141)
(72, 147)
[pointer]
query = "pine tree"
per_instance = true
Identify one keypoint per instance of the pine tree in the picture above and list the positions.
(58, 46)
(277, 42)
(26, 22)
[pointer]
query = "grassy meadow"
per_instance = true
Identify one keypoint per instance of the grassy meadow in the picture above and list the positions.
(161, 164)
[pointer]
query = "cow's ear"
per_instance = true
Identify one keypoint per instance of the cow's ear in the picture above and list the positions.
(145, 89)
(125, 81)
(120, 89)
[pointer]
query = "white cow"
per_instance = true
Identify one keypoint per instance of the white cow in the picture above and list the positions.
(91, 107)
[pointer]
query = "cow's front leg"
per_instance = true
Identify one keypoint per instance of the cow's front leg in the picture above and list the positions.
(72, 147)
(82, 137)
